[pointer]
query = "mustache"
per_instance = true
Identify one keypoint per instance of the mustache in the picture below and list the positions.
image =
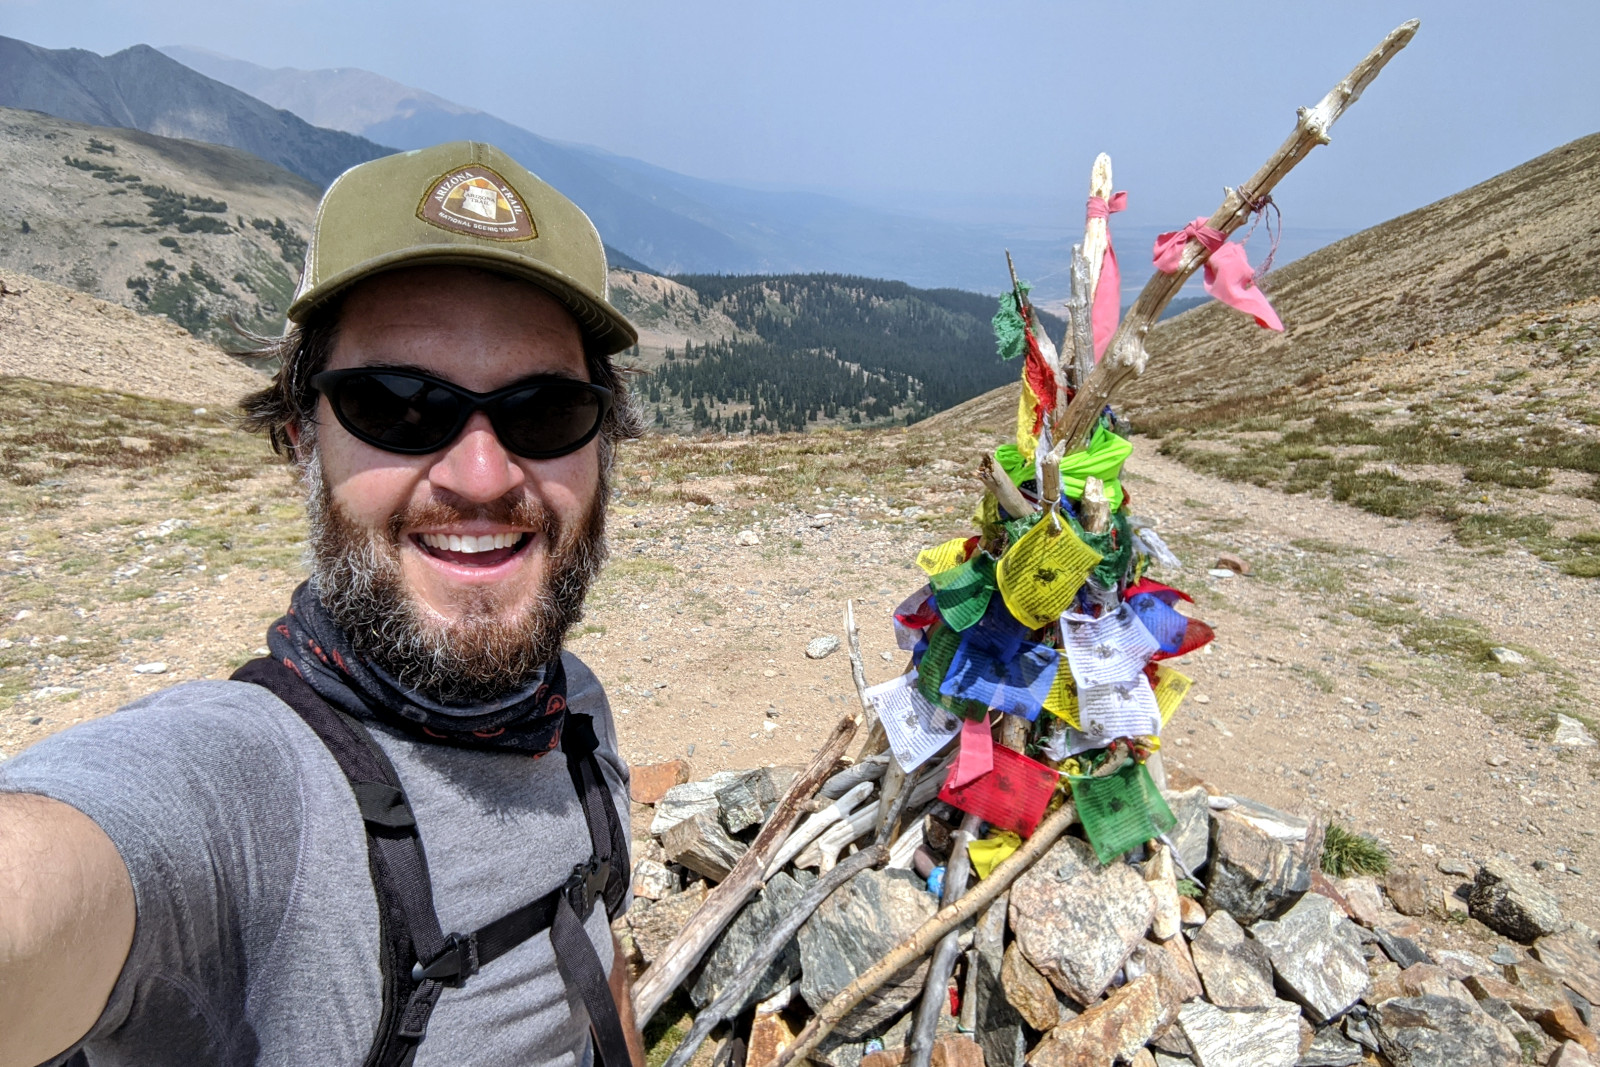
(522, 511)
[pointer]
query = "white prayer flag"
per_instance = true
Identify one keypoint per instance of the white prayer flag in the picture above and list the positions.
(916, 728)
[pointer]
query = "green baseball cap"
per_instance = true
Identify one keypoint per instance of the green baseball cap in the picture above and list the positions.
(466, 204)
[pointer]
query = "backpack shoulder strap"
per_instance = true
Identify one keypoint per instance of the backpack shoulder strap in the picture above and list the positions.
(411, 932)
(579, 743)
(409, 925)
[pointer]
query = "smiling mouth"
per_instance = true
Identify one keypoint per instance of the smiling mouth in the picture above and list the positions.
(487, 550)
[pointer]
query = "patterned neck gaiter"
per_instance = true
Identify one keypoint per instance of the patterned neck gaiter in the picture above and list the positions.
(307, 641)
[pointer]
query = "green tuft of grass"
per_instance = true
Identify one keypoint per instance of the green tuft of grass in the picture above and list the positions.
(1188, 887)
(1346, 854)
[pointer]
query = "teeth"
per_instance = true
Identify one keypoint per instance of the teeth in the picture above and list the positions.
(469, 544)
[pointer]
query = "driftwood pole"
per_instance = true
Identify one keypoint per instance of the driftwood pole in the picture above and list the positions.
(1125, 356)
(724, 902)
(956, 870)
(927, 936)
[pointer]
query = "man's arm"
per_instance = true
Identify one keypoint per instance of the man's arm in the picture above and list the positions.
(622, 993)
(66, 925)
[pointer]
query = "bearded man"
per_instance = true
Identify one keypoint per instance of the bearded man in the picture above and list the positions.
(234, 872)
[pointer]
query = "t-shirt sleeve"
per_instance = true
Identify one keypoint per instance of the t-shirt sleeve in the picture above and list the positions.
(178, 781)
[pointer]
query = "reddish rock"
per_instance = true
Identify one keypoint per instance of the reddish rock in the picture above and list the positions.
(649, 782)
(1574, 960)
(1321, 885)
(1028, 991)
(1571, 1054)
(1536, 1002)
(1193, 913)
(1185, 978)
(957, 1050)
(1408, 892)
(1232, 563)
(1113, 1029)
(769, 1035)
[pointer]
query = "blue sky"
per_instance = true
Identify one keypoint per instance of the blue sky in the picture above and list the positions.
(987, 111)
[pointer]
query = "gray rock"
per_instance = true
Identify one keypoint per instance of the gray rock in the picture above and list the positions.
(1460, 964)
(1000, 1032)
(702, 845)
(854, 928)
(1523, 1032)
(836, 1050)
(1435, 1031)
(1261, 861)
(1570, 731)
(1359, 1030)
(1508, 900)
(1235, 970)
(1316, 955)
(822, 647)
(682, 801)
(1330, 1048)
(1402, 950)
(1501, 654)
(1167, 1059)
(1250, 1037)
(655, 927)
(1505, 956)
(1077, 921)
(1192, 835)
(740, 940)
(652, 880)
(748, 800)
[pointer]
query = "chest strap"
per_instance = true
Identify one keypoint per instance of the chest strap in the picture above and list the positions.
(418, 958)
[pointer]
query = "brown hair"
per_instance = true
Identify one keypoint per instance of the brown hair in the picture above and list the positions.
(303, 351)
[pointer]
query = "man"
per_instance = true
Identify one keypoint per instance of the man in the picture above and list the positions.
(398, 837)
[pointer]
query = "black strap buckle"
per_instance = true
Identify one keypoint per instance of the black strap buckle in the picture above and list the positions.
(454, 964)
(588, 881)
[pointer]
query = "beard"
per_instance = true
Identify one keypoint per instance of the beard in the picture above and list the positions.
(488, 651)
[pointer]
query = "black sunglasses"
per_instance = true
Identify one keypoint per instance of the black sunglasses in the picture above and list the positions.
(412, 413)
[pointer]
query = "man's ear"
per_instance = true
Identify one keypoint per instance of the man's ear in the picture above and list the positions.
(292, 432)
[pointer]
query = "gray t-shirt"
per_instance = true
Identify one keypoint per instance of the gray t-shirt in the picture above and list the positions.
(256, 940)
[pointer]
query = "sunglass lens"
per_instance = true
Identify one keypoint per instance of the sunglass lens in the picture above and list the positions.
(398, 411)
(548, 419)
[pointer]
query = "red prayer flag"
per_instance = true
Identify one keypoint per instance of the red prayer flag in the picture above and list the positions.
(1013, 796)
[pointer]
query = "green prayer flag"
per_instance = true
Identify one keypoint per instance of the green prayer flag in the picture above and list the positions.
(1121, 811)
(962, 593)
(935, 664)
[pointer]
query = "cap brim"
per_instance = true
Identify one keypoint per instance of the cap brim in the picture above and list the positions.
(604, 328)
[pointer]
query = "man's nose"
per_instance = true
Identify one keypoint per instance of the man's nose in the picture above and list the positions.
(476, 466)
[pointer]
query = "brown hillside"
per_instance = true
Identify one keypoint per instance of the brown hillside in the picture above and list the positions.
(54, 334)
(1526, 239)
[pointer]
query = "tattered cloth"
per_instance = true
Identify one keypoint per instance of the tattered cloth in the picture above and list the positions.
(1228, 275)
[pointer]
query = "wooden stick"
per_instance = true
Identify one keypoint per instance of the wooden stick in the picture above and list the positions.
(921, 942)
(813, 827)
(858, 669)
(956, 870)
(680, 956)
(1080, 332)
(733, 995)
(868, 770)
(1005, 491)
(1125, 356)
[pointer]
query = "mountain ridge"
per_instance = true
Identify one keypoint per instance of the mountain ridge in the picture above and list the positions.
(141, 88)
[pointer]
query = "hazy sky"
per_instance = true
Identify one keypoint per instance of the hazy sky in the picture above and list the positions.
(982, 110)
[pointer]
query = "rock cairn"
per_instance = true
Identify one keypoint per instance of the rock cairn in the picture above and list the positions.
(1273, 963)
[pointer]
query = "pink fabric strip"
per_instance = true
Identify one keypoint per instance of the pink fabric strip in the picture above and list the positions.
(1108, 290)
(976, 756)
(1228, 276)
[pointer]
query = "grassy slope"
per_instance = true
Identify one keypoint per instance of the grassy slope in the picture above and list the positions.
(1444, 363)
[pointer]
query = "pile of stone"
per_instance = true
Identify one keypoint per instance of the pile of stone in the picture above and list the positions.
(1270, 963)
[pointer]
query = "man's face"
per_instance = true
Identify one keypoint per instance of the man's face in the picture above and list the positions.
(383, 529)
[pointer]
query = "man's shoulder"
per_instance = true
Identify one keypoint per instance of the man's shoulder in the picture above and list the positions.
(583, 686)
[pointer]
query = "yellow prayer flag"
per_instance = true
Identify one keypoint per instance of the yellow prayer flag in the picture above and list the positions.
(1171, 687)
(1041, 573)
(988, 853)
(1027, 417)
(1063, 699)
(942, 557)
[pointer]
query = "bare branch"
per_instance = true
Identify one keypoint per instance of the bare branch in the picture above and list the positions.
(1125, 356)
